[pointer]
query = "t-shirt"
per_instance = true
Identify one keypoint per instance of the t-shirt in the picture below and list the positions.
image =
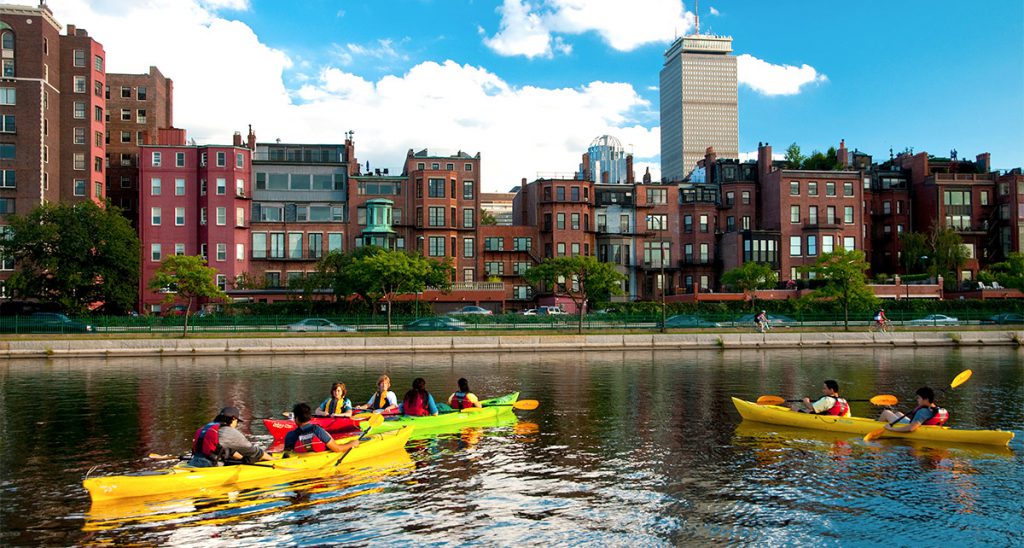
(392, 399)
(291, 438)
(823, 404)
(346, 406)
(922, 415)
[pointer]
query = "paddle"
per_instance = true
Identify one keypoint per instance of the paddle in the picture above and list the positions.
(881, 399)
(525, 405)
(375, 420)
(957, 381)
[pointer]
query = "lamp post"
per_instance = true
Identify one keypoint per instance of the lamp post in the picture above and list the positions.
(662, 254)
(419, 247)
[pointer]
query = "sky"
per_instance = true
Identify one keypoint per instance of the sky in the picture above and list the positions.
(529, 84)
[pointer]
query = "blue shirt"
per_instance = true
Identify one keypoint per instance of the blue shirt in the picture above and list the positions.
(291, 438)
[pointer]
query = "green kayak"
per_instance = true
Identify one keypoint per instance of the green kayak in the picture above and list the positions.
(452, 420)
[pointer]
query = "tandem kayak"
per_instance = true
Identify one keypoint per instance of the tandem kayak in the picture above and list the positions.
(774, 414)
(185, 479)
(452, 420)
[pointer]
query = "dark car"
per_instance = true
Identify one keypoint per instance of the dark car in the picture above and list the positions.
(1008, 317)
(44, 322)
(439, 323)
(685, 320)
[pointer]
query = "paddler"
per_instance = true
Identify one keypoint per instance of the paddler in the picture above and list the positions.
(220, 441)
(417, 401)
(830, 403)
(383, 400)
(310, 437)
(926, 413)
(463, 398)
(338, 405)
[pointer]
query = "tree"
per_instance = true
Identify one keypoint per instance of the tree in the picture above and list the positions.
(750, 277)
(74, 255)
(385, 274)
(188, 278)
(793, 156)
(486, 219)
(948, 252)
(914, 247)
(845, 280)
(581, 278)
(333, 271)
(1009, 273)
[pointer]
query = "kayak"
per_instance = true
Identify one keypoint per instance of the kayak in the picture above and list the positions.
(774, 414)
(279, 428)
(183, 478)
(453, 420)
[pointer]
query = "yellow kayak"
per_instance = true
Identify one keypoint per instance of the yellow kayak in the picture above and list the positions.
(185, 479)
(774, 414)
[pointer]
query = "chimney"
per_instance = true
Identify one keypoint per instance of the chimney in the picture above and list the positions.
(630, 178)
(984, 162)
(709, 157)
(71, 30)
(586, 168)
(251, 143)
(764, 159)
(170, 136)
(236, 139)
(647, 176)
(843, 155)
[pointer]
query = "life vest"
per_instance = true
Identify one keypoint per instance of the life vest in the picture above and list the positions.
(939, 415)
(840, 408)
(380, 400)
(206, 442)
(416, 407)
(460, 400)
(308, 442)
(334, 407)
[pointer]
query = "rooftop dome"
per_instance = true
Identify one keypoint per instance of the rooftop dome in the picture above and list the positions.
(608, 141)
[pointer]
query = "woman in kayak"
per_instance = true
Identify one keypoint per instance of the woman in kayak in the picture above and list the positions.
(383, 400)
(220, 441)
(463, 398)
(418, 402)
(926, 412)
(310, 437)
(338, 405)
(830, 403)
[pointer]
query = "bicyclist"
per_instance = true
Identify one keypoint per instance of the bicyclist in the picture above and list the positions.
(761, 320)
(880, 319)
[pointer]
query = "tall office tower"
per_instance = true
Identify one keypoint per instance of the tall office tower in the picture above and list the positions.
(698, 103)
(52, 110)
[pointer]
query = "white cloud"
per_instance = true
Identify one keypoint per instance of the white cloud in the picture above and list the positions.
(746, 156)
(446, 106)
(529, 30)
(239, 5)
(381, 50)
(768, 79)
(713, 11)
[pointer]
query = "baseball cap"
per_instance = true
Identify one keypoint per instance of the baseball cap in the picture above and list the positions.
(231, 412)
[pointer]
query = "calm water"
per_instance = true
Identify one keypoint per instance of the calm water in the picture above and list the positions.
(626, 448)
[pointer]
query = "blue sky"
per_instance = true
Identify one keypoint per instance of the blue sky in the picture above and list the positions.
(529, 84)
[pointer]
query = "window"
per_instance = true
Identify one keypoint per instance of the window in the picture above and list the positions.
(730, 198)
(179, 249)
(277, 245)
(812, 215)
(8, 96)
(746, 222)
(494, 268)
(812, 188)
(78, 159)
(847, 189)
(688, 223)
(560, 249)
(794, 214)
(494, 244)
(222, 216)
(574, 221)
(126, 136)
(154, 216)
(435, 188)
(827, 244)
(657, 222)
(79, 57)
(126, 159)
(467, 190)
(98, 63)
(794, 188)
(98, 114)
(435, 216)
(436, 246)
(316, 245)
(830, 215)
(240, 216)
(521, 244)
(812, 246)
(887, 207)
(141, 93)
(154, 252)
(202, 251)
(467, 218)
(179, 187)
(239, 160)
(156, 159)
(794, 246)
(97, 88)
(520, 268)
(468, 167)
(179, 159)
(179, 216)
(560, 193)
(705, 257)
(8, 68)
(222, 186)
(574, 194)
(745, 197)
(79, 187)
(259, 245)
(657, 196)
(468, 247)
(79, 110)
(222, 252)
(847, 214)
(140, 116)
(730, 224)
(704, 223)
(984, 194)
(78, 135)
(154, 187)
(830, 188)
(81, 84)
(221, 159)
(848, 243)
(202, 216)
(126, 115)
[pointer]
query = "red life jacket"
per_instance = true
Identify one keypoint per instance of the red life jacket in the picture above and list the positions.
(460, 400)
(308, 442)
(939, 415)
(841, 408)
(206, 442)
(415, 407)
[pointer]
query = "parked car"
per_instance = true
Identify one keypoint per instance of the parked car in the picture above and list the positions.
(774, 320)
(686, 320)
(478, 310)
(319, 324)
(935, 319)
(1008, 317)
(550, 310)
(44, 322)
(529, 312)
(438, 323)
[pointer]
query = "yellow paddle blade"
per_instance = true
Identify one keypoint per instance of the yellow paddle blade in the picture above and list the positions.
(884, 399)
(375, 419)
(874, 434)
(363, 416)
(526, 405)
(770, 400)
(161, 457)
(961, 378)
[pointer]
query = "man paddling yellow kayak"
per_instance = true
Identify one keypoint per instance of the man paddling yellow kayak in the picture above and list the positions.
(926, 413)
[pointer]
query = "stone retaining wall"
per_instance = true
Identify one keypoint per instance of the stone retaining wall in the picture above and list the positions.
(496, 343)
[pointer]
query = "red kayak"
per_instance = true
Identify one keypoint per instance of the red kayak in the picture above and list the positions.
(336, 425)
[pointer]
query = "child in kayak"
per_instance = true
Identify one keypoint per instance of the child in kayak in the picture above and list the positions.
(830, 403)
(383, 400)
(463, 398)
(926, 412)
(219, 442)
(418, 402)
(338, 405)
(309, 437)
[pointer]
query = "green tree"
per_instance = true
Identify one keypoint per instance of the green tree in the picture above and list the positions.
(793, 156)
(948, 253)
(486, 219)
(750, 277)
(333, 272)
(186, 278)
(915, 250)
(581, 278)
(1009, 273)
(384, 275)
(845, 280)
(74, 255)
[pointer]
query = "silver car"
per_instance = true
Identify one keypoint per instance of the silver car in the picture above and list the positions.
(935, 319)
(319, 324)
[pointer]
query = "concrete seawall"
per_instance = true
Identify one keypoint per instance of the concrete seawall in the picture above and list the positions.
(497, 343)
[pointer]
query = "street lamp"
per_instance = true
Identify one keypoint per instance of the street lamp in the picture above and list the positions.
(661, 247)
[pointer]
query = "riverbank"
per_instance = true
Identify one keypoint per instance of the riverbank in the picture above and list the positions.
(489, 343)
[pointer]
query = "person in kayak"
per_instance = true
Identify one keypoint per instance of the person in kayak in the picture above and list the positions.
(463, 398)
(830, 403)
(418, 402)
(311, 438)
(383, 400)
(926, 413)
(338, 405)
(220, 442)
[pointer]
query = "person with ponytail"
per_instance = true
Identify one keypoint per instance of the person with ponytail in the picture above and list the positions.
(418, 402)
(463, 398)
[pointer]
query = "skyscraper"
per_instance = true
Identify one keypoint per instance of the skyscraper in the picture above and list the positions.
(698, 103)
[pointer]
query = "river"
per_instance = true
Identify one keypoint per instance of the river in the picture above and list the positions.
(626, 448)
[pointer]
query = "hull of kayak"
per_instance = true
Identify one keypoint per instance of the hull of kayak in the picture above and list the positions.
(444, 422)
(773, 414)
(185, 479)
(279, 428)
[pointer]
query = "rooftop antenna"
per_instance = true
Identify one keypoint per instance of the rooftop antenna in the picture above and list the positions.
(696, 15)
